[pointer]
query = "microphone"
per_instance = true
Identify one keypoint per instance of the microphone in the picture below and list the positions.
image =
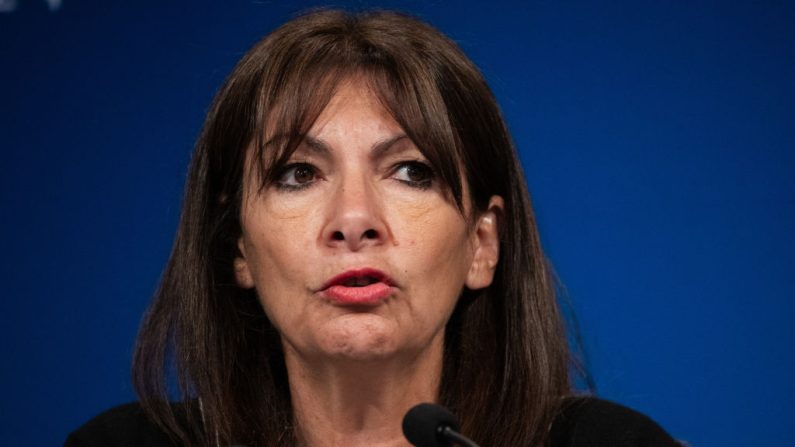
(430, 425)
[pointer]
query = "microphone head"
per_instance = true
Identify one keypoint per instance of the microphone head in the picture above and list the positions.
(421, 425)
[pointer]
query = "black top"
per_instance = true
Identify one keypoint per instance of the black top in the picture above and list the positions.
(583, 422)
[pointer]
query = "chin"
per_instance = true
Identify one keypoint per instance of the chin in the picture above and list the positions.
(361, 354)
(359, 341)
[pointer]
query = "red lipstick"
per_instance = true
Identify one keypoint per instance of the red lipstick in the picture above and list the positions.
(358, 287)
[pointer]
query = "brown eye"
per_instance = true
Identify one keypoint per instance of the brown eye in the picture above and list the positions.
(297, 175)
(304, 174)
(414, 173)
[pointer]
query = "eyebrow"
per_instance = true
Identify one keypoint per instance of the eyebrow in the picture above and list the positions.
(379, 149)
(382, 147)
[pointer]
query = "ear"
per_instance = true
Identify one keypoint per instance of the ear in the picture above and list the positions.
(242, 269)
(486, 240)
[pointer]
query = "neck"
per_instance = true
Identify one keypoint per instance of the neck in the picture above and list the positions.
(343, 402)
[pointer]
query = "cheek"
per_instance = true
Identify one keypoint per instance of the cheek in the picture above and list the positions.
(276, 249)
(278, 277)
(436, 241)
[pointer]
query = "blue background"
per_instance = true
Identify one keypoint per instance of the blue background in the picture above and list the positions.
(658, 140)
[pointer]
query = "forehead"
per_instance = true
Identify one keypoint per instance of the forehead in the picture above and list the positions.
(354, 112)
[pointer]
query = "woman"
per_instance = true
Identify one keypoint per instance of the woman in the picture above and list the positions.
(356, 238)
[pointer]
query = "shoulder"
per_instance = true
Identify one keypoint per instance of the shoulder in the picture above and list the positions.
(595, 422)
(122, 426)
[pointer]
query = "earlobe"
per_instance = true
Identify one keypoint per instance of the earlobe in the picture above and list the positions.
(242, 271)
(487, 245)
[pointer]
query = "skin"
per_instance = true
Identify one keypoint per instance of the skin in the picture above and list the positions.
(355, 202)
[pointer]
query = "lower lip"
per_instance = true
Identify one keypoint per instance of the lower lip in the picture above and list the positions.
(366, 295)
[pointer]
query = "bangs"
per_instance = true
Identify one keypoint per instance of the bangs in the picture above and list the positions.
(295, 92)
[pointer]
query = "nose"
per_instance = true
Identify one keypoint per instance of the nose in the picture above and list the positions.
(355, 220)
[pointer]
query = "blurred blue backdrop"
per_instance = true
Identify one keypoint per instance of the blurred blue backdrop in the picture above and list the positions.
(658, 140)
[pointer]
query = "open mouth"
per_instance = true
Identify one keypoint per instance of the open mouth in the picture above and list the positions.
(359, 278)
(359, 281)
(366, 286)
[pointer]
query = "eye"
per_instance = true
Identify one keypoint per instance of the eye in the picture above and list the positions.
(417, 174)
(296, 176)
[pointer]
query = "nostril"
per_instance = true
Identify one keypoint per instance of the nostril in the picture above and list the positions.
(338, 236)
(370, 234)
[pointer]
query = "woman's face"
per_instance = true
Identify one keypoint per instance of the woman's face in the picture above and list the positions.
(356, 252)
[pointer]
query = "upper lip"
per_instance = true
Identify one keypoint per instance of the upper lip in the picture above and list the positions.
(364, 274)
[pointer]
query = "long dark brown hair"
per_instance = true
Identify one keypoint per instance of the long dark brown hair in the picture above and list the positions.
(506, 358)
